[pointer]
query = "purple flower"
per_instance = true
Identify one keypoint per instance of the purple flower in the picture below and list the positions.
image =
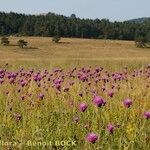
(98, 101)
(22, 97)
(83, 107)
(17, 117)
(41, 96)
(127, 103)
(23, 83)
(12, 81)
(92, 137)
(110, 128)
(57, 81)
(58, 87)
(147, 115)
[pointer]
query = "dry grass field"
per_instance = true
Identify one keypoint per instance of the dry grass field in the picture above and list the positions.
(42, 52)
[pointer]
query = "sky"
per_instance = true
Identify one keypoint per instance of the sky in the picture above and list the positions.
(114, 10)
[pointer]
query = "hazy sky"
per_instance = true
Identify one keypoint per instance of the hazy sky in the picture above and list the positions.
(118, 10)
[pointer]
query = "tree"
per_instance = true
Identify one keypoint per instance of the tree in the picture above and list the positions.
(148, 37)
(73, 16)
(22, 43)
(4, 41)
(56, 39)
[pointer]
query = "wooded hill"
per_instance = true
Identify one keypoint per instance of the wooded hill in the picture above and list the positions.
(51, 24)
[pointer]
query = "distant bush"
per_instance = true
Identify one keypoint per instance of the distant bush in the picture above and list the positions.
(56, 39)
(22, 43)
(141, 42)
(5, 41)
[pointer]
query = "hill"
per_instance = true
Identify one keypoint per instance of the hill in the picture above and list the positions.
(140, 20)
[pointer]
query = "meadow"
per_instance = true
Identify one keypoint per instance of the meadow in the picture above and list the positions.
(79, 94)
(42, 53)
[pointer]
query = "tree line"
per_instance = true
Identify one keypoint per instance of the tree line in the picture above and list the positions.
(50, 25)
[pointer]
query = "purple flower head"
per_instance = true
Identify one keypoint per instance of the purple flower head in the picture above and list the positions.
(127, 103)
(97, 70)
(58, 87)
(17, 117)
(92, 137)
(147, 115)
(23, 83)
(110, 128)
(57, 81)
(22, 97)
(35, 78)
(98, 101)
(83, 107)
(41, 96)
(12, 81)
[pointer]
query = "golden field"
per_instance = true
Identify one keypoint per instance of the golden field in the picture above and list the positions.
(42, 51)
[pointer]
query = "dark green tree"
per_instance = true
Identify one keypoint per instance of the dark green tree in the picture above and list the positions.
(73, 16)
(51, 24)
(148, 37)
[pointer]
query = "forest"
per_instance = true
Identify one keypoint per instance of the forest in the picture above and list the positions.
(51, 24)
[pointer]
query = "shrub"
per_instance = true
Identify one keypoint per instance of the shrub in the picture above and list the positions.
(141, 42)
(4, 41)
(56, 39)
(22, 43)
